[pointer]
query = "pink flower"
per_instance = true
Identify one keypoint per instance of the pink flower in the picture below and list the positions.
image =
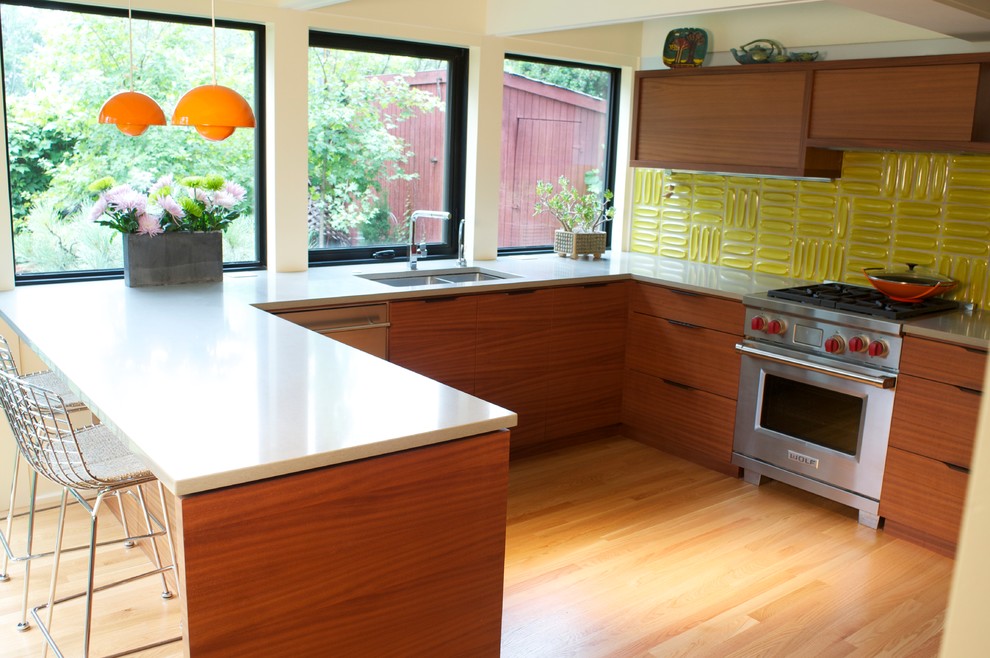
(164, 181)
(99, 208)
(172, 207)
(148, 224)
(234, 190)
(224, 199)
(123, 198)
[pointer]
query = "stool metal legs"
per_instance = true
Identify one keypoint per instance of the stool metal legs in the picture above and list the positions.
(46, 626)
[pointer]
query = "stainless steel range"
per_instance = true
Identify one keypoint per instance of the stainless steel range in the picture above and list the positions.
(816, 389)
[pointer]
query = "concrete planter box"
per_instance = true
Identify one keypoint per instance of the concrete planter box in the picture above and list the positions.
(171, 258)
(570, 244)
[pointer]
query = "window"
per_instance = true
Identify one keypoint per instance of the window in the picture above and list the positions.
(386, 137)
(558, 119)
(60, 63)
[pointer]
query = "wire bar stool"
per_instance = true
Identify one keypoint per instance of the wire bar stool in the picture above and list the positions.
(52, 382)
(81, 459)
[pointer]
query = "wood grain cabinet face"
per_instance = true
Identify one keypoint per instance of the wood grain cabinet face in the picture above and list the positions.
(587, 348)
(723, 122)
(935, 102)
(436, 337)
(931, 442)
(682, 374)
(513, 358)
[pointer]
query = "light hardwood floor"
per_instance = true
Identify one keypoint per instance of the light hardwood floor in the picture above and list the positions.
(615, 549)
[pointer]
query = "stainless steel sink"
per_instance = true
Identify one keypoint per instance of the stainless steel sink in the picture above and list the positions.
(437, 277)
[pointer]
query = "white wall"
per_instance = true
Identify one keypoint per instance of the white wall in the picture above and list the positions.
(451, 22)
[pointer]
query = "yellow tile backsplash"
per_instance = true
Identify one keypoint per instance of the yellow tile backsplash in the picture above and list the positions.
(886, 209)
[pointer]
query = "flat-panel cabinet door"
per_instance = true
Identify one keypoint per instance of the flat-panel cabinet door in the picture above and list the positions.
(513, 357)
(436, 337)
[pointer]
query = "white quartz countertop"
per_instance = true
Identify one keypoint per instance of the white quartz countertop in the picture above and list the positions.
(212, 391)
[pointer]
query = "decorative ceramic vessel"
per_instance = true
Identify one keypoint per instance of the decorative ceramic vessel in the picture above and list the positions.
(570, 244)
(685, 47)
(172, 258)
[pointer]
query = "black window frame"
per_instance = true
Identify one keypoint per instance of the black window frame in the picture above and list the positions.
(456, 139)
(611, 138)
(260, 210)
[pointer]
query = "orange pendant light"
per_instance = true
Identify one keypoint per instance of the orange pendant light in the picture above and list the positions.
(131, 111)
(214, 110)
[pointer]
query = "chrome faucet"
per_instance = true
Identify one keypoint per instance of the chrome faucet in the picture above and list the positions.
(461, 261)
(414, 251)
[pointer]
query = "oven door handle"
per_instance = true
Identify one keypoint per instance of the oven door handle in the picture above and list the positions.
(879, 382)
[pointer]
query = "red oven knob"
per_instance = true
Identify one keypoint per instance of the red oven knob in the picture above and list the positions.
(776, 327)
(858, 343)
(878, 348)
(758, 323)
(835, 345)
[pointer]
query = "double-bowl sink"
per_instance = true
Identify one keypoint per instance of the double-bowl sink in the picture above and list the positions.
(447, 277)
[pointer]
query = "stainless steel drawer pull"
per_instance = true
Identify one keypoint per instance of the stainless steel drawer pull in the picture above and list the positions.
(355, 327)
(879, 382)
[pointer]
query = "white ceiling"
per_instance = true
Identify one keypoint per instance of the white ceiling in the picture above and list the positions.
(963, 19)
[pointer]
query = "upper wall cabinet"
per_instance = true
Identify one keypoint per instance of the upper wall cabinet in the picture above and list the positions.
(747, 120)
(794, 119)
(930, 106)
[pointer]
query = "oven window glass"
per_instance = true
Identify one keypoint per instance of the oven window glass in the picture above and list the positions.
(818, 415)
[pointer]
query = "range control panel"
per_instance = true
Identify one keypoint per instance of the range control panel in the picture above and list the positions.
(833, 339)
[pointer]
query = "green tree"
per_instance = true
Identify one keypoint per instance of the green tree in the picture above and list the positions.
(586, 81)
(356, 102)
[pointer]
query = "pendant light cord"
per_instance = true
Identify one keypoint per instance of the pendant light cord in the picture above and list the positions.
(130, 42)
(213, 25)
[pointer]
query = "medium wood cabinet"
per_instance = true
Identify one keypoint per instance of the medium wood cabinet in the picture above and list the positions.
(436, 337)
(794, 119)
(931, 442)
(513, 358)
(682, 373)
(552, 355)
(938, 102)
(728, 119)
(587, 351)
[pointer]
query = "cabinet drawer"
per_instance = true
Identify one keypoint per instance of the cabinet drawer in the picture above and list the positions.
(683, 421)
(935, 420)
(690, 307)
(684, 354)
(923, 499)
(943, 362)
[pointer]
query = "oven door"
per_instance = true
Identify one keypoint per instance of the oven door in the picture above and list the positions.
(806, 415)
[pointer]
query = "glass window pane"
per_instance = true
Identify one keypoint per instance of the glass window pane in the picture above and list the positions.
(555, 122)
(60, 66)
(377, 147)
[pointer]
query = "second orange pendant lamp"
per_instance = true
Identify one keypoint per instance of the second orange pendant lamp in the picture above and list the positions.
(213, 110)
(131, 111)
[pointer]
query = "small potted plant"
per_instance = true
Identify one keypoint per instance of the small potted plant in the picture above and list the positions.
(172, 234)
(581, 216)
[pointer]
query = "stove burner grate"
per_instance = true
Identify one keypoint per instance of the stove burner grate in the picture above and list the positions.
(862, 300)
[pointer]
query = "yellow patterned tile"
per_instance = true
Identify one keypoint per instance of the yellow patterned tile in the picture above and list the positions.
(969, 178)
(981, 197)
(854, 187)
(925, 259)
(777, 212)
(780, 269)
(869, 236)
(816, 215)
(869, 252)
(964, 161)
(818, 200)
(773, 253)
(819, 187)
(968, 213)
(806, 229)
(968, 230)
(674, 227)
(966, 247)
(776, 225)
(917, 225)
(709, 204)
(872, 205)
(737, 263)
(915, 209)
(670, 252)
(739, 249)
(780, 184)
(775, 240)
(744, 181)
(738, 235)
(779, 197)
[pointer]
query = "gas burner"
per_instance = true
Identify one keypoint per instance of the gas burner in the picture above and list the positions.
(860, 299)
